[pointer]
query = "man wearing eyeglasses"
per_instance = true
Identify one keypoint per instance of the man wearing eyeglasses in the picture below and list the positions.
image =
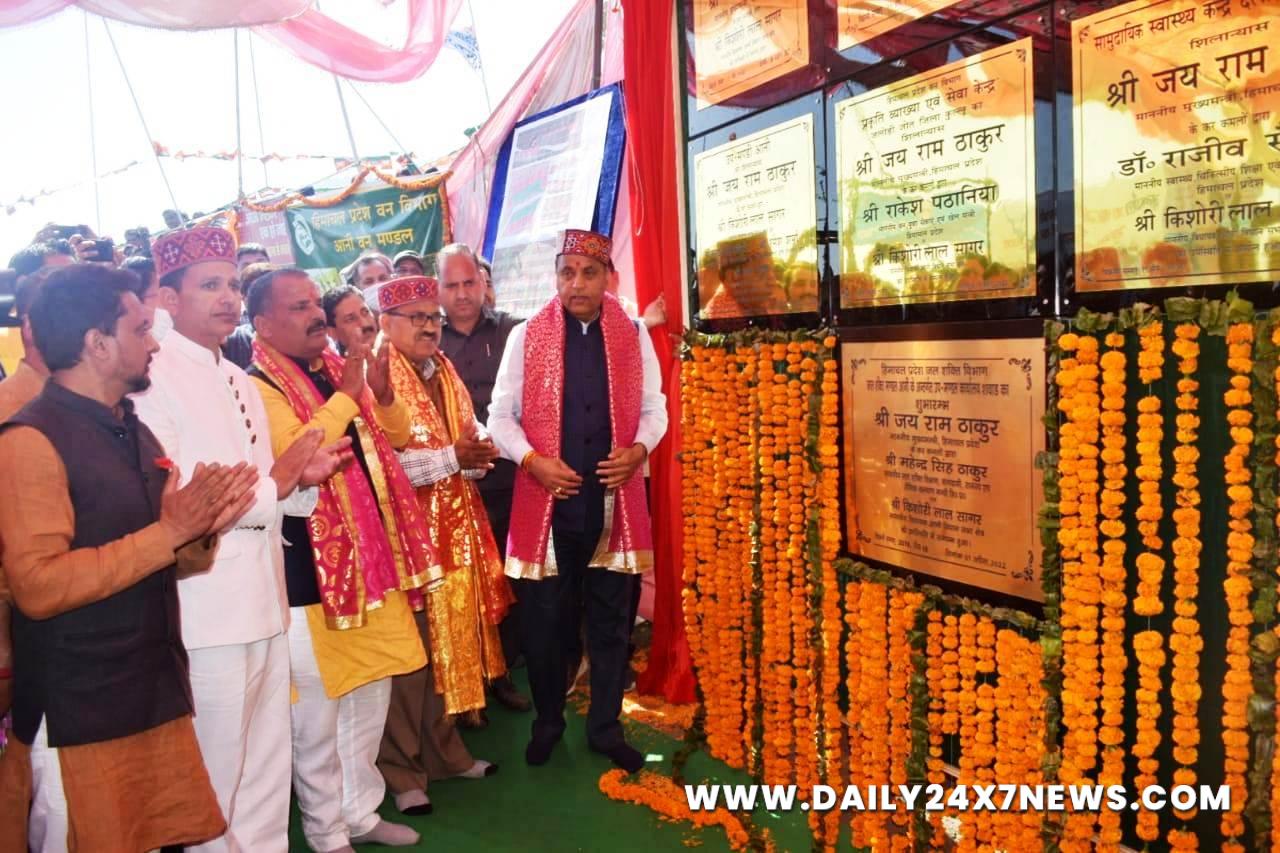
(447, 453)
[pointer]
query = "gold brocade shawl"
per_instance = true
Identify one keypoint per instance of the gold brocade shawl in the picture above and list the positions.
(463, 612)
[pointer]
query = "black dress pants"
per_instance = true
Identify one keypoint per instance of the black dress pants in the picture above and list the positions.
(551, 611)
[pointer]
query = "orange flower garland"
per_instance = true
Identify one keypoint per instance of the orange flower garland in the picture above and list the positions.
(832, 771)
(1275, 765)
(1034, 723)
(663, 796)
(732, 623)
(1238, 586)
(968, 704)
(984, 735)
(1009, 734)
(1020, 732)
(1114, 601)
(1074, 596)
(711, 443)
(902, 616)
(950, 686)
(696, 432)
(1148, 646)
(775, 668)
(857, 771)
(1082, 586)
(800, 388)
(1186, 642)
(937, 703)
(872, 722)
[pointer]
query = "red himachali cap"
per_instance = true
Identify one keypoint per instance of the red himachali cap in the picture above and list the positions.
(405, 289)
(180, 249)
(589, 244)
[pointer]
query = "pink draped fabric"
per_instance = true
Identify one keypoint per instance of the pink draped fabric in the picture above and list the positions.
(293, 24)
(323, 42)
(166, 14)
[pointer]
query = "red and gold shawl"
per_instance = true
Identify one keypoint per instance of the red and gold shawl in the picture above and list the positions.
(463, 613)
(367, 540)
(626, 545)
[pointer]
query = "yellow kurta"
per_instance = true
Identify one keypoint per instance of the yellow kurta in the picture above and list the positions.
(388, 643)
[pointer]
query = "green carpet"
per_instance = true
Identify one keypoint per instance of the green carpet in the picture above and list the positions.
(558, 807)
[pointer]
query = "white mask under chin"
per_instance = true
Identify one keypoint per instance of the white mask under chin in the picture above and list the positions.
(161, 323)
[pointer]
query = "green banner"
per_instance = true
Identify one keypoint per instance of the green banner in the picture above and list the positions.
(386, 220)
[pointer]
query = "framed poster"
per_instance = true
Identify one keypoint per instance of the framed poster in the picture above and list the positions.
(936, 184)
(559, 169)
(755, 202)
(941, 438)
(1177, 144)
(741, 44)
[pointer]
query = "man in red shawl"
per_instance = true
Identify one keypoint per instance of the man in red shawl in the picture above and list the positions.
(446, 454)
(579, 405)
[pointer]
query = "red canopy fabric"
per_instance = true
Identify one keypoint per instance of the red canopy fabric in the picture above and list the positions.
(655, 218)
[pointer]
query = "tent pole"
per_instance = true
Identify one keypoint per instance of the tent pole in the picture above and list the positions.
(257, 106)
(346, 120)
(235, 38)
(141, 119)
(93, 133)
(395, 141)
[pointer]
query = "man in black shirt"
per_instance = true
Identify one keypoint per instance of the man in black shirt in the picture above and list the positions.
(473, 338)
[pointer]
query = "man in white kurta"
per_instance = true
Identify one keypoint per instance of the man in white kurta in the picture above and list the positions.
(235, 616)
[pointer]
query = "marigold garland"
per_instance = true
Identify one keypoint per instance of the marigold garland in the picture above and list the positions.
(1238, 585)
(297, 199)
(1275, 764)
(1114, 601)
(1186, 642)
(663, 796)
(1019, 734)
(903, 605)
(936, 672)
(857, 770)
(802, 373)
(984, 735)
(832, 769)
(1082, 584)
(872, 702)
(967, 703)
(1148, 646)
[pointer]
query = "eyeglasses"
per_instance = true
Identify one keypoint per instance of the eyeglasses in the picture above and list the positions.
(419, 319)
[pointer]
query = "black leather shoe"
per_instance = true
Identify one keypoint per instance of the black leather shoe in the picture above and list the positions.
(538, 752)
(505, 692)
(623, 755)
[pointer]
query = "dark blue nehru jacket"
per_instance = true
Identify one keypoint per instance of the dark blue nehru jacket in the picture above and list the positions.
(585, 435)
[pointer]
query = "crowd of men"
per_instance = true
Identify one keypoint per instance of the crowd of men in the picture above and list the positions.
(275, 539)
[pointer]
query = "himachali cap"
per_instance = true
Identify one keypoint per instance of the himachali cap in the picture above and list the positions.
(180, 249)
(589, 244)
(409, 288)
